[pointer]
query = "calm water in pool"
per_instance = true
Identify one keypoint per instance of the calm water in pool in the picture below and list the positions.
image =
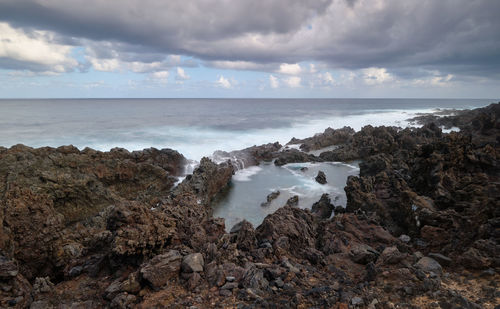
(250, 187)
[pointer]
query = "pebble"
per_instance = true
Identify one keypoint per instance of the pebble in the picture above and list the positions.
(356, 301)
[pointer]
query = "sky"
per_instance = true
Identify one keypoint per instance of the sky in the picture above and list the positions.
(250, 49)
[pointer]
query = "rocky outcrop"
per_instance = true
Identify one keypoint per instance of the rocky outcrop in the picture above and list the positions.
(328, 138)
(85, 229)
(249, 156)
(324, 207)
(206, 181)
(55, 199)
(295, 156)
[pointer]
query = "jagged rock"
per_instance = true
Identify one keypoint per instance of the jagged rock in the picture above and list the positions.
(137, 229)
(323, 208)
(123, 300)
(444, 260)
(297, 225)
(254, 278)
(293, 201)
(390, 255)
(321, 178)
(295, 156)
(428, 264)
(162, 268)
(206, 181)
(193, 263)
(363, 254)
(328, 138)
(270, 197)
(475, 259)
(8, 268)
(43, 285)
(245, 238)
(249, 156)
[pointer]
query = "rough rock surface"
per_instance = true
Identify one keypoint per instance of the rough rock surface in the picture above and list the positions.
(85, 229)
(329, 137)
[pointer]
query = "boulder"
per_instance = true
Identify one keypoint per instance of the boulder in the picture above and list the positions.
(321, 177)
(193, 263)
(323, 208)
(162, 268)
(293, 201)
(427, 264)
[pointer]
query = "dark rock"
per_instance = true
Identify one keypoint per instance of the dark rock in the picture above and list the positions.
(356, 301)
(363, 254)
(443, 260)
(207, 180)
(193, 263)
(225, 293)
(293, 201)
(328, 138)
(229, 286)
(254, 278)
(474, 259)
(339, 210)
(390, 255)
(323, 208)
(162, 268)
(193, 281)
(428, 264)
(270, 197)
(295, 156)
(321, 177)
(8, 268)
(245, 238)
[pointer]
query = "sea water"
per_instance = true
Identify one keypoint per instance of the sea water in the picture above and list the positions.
(198, 127)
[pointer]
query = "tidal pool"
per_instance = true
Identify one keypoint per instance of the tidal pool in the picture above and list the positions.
(249, 188)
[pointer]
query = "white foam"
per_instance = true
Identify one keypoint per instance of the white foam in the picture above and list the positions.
(246, 173)
(452, 129)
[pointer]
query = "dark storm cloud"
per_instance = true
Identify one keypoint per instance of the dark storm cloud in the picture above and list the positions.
(452, 36)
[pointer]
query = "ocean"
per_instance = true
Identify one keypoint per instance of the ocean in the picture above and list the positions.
(198, 127)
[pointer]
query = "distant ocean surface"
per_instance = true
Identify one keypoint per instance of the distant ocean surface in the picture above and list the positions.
(196, 127)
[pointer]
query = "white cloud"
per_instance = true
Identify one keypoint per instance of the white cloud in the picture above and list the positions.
(223, 82)
(312, 68)
(36, 49)
(290, 69)
(181, 74)
(376, 76)
(238, 65)
(160, 76)
(436, 80)
(293, 81)
(105, 65)
(273, 82)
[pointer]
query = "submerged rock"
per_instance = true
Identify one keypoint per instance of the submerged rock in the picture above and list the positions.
(270, 197)
(321, 178)
(293, 201)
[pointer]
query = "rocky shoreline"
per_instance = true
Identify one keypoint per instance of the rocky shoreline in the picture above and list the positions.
(90, 229)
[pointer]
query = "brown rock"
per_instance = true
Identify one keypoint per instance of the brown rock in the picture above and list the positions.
(162, 268)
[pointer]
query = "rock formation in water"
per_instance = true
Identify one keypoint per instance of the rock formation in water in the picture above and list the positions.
(89, 229)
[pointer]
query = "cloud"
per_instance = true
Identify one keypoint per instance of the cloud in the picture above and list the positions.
(273, 82)
(290, 69)
(293, 81)
(33, 51)
(455, 37)
(223, 82)
(160, 76)
(181, 74)
(375, 76)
